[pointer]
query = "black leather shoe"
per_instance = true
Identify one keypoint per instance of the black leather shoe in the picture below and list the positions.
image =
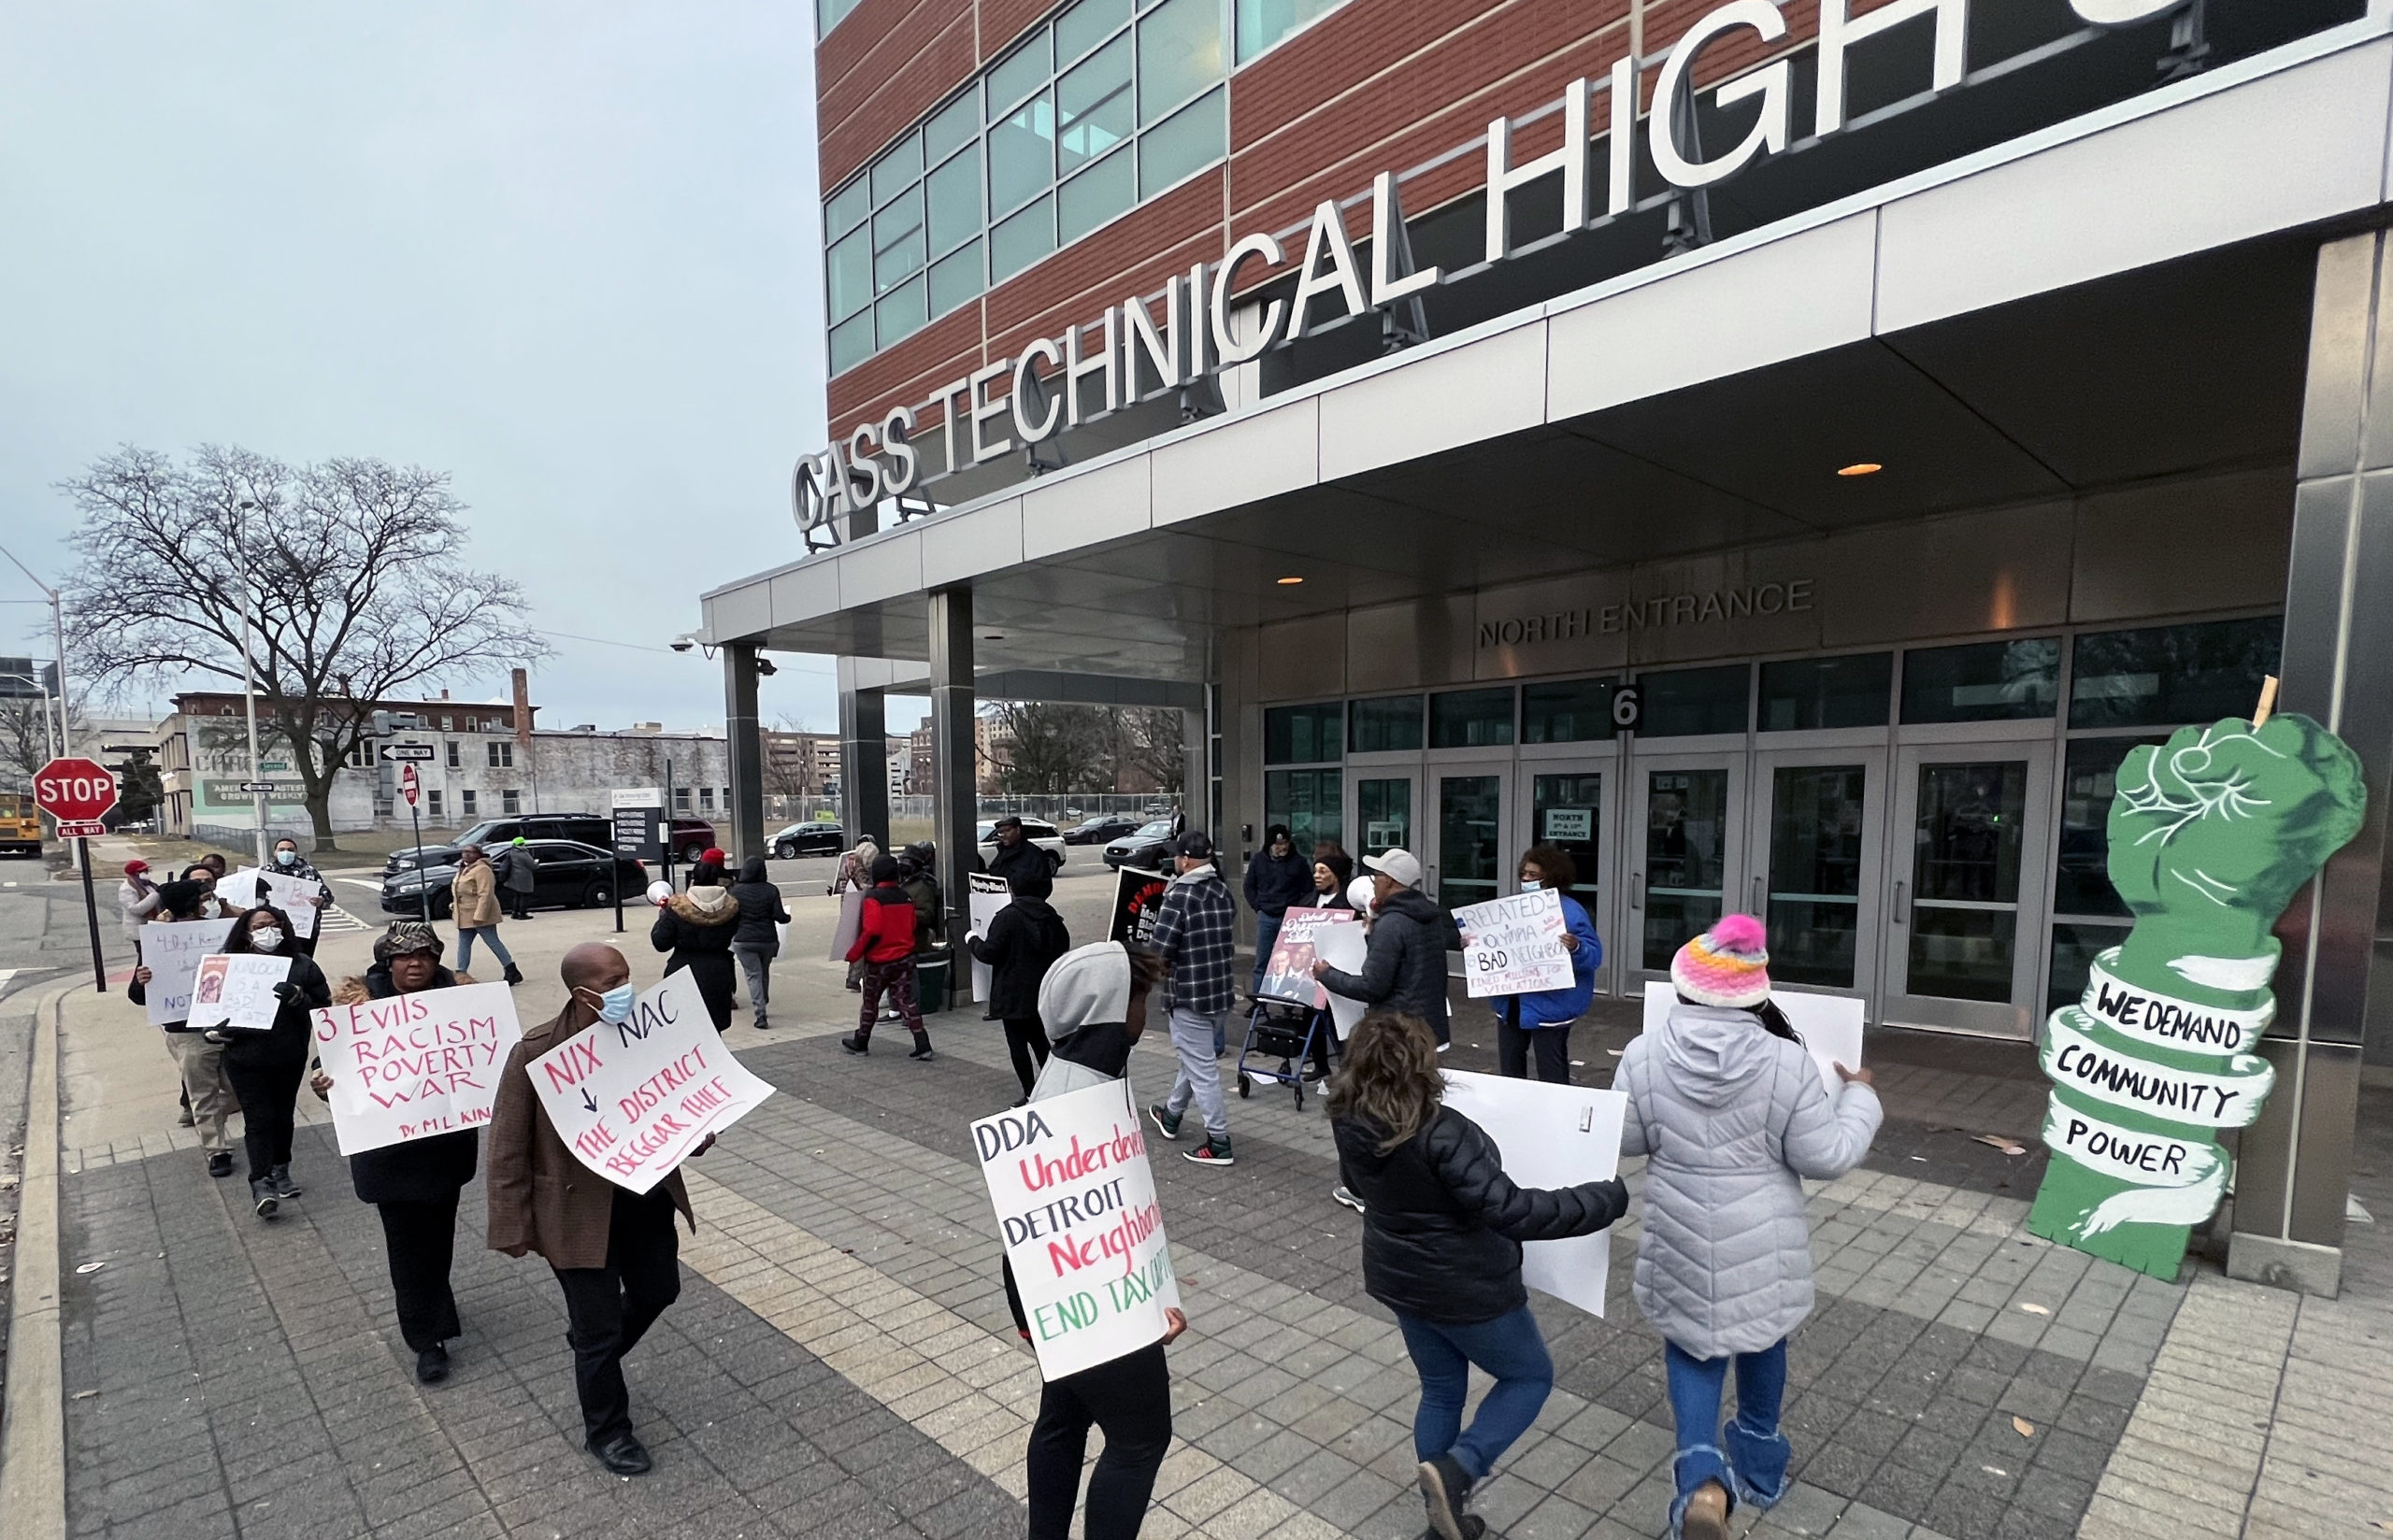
(432, 1365)
(221, 1163)
(624, 1455)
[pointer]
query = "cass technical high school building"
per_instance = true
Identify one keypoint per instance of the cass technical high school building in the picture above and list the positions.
(1786, 455)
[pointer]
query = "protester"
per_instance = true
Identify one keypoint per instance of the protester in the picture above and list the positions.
(918, 873)
(1194, 934)
(1332, 870)
(884, 942)
(288, 863)
(614, 1250)
(473, 903)
(207, 871)
(1094, 1001)
(207, 1096)
(136, 898)
(1443, 1229)
(1405, 969)
(1544, 1018)
(520, 876)
(697, 927)
(1276, 876)
(855, 872)
(758, 938)
(1015, 855)
(413, 1185)
(1728, 1105)
(266, 1067)
(1024, 940)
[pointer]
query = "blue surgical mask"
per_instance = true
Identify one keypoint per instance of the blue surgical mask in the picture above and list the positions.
(285, 858)
(615, 1005)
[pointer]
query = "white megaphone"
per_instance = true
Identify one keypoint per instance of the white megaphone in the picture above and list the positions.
(659, 892)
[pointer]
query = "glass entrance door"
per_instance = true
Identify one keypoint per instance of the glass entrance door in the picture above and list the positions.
(1563, 806)
(1966, 897)
(1818, 827)
(1381, 818)
(1470, 860)
(1686, 855)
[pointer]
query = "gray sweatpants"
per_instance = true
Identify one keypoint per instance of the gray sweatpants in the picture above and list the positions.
(758, 965)
(1192, 1034)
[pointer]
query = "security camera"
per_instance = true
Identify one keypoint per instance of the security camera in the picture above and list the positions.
(765, 666)
(682, 644)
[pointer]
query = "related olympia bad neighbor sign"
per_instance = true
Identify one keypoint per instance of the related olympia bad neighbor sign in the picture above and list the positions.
(2211, 834)
(1197, 339)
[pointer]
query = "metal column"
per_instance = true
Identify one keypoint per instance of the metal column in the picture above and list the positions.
(864, 759)
(744, 740)
(2294, 1166)
(954, 768)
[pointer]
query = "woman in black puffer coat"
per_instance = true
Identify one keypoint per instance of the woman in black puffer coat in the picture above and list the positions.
(1442, 1228)
(266, 1067)
(1024, 940)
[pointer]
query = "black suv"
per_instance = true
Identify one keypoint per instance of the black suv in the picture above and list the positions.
(689, 836)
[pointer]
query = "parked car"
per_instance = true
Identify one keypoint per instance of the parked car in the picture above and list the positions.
(1148, 848)
(1037, 831)
(572, 875)
(1103, 827)
(809, 840)
(689, 836)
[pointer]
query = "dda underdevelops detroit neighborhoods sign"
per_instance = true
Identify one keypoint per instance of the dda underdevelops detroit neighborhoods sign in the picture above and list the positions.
(1197, 339)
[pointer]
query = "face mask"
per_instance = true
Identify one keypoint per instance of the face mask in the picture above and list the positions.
(615, 1005)
(285, 858)
(265, 938)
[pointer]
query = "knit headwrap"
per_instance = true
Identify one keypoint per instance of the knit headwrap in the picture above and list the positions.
(407, 936)
(1726, 965)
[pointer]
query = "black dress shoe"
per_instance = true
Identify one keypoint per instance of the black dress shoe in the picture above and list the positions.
(432, 1365)
(221, 1163)
(622, 1454)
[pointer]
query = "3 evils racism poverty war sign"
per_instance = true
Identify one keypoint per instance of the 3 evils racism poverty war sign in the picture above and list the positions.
(2211, 834)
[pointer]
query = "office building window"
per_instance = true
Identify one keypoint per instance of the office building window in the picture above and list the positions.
(706, 798)
(1471, 719)
(466, 802)
(1310, 802)
(510, 801)
(680, 799)
(502, 754)
(1304, 735)
(1813, 693)
(2169, 674)
(1088, 116)
(1573, 711)
(830, 13)
(1390, 722)
(432, 804)
(1691, 702)
(1262, 23)
(456, 755)
(1983, 682)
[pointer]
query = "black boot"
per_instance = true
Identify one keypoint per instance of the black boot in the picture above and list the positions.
(279, 1177)
(515, 975)
(262, 1194)
(856, 1044)
(922, 1047)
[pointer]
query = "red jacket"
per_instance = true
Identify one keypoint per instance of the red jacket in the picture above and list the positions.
(886, 933)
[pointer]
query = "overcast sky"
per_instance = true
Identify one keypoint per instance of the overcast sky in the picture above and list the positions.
(565, 252)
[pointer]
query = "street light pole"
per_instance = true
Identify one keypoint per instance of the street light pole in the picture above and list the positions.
(250, 678)
(58, 635)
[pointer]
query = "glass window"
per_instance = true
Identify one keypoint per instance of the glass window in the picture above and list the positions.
(847, 209)
(1567, 810)
(1573, 711)
(2081, 876)
(1810, 693)
(1264, 23)
(902, 311)
(1985, 682)
(1391, 722)
(2173, 674)
(1022, 154)
(851, 343)
(850, 274)
(2075, 950)
(1300, 735)
(1179, 54)
(1021, 73)
(1092, 105)
(1022, 240)
(1383, 814)
(1093, 196)
(954, 128)
(830, 13)
(897, 249)
(900, 166)
(1309, 802)
(953, 196)
(1693, 701)
(1467, 719)
(1086, 24)
(1192, 138)
(955, 279)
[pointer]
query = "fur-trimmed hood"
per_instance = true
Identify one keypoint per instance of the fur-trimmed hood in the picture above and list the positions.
(709, 904)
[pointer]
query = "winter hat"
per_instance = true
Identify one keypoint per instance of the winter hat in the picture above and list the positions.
(135, 868)
(1087, 986)
(1726, 965)
(405, 936)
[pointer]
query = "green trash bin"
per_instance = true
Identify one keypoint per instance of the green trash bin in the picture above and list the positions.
(930, 982)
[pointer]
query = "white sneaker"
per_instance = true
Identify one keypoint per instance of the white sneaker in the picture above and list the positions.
(1443, 1047)
(1346, 1195)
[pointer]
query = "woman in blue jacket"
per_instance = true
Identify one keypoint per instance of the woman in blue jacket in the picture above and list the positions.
(1545, 1018)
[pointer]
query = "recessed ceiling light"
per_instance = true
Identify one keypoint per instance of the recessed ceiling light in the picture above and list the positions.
(1861, 468)
(1289, 582)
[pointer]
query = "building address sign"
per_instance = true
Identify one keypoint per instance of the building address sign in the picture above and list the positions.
(1702, 608)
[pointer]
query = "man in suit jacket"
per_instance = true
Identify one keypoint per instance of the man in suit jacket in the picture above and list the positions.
(614, 1251)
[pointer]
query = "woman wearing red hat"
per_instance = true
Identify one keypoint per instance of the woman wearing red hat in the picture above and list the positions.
(137, 897)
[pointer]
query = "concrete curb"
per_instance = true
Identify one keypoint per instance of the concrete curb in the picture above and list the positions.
(32, 1436)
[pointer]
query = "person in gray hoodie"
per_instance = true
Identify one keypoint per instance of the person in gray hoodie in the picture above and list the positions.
(1730, 1111)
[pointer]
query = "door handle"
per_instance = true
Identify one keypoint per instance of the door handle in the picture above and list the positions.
(1902, 902)
(1756, 909)
(1636, 890)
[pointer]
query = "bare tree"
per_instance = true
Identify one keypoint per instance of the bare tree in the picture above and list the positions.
(29, 735)
(1042, 748)
(1152, 748)
(347, 570)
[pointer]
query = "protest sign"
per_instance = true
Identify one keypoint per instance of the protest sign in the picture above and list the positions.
(1551, 1135)
(989, 894)
(295, 896)
(1343, 947)
(1829, 1025)
(632, 1099)
(844, 935)
(1077, 1213)
(1513, 945)
(172, 953)
(237, 990)
(414, 1065)
(1287, 975)
(1138, 899)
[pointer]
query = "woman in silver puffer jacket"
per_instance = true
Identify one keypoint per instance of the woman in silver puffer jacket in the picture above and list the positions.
(1730, 1110)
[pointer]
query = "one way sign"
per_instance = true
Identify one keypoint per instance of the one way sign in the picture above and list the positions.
(418, 752)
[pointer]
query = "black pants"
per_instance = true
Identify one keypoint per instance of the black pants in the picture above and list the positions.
(269, 1096)
(519, 904)
(1130, 1398)
(610, 1308)
(1026, 1040)
(421, 1238)
(1553, 1051)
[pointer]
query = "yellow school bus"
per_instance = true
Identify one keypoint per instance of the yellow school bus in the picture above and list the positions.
(19, 824)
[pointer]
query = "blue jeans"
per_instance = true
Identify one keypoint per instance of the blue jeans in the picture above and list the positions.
(489, 938)
(1753, 1467)
(1266, 930)
(1512, 1349)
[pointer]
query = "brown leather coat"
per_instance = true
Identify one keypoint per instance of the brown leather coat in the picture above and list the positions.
(541, 1199)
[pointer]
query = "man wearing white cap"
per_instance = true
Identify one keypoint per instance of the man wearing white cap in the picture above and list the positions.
(1405, 969)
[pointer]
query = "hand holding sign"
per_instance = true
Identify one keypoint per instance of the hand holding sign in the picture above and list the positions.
(1514, 946)
(410, 1066)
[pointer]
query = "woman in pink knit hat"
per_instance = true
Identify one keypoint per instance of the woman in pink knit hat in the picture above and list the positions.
(1730, 1111)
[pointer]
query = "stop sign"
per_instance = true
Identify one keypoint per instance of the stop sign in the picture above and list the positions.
(74, 789)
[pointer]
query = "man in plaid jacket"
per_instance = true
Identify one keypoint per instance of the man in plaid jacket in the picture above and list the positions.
(1192, 930)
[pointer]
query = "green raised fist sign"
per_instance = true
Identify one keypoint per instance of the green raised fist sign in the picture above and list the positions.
(2211, 834)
